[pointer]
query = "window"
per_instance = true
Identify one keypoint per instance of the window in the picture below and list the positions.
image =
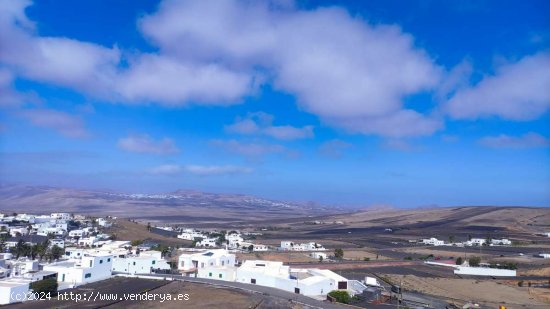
(220, 275)
(108, 259)
(223, 263)
(90, 263)
(88, 275)
(154, 262)
(209, 274)
(100, 261)
(253, 281)
(134, 263)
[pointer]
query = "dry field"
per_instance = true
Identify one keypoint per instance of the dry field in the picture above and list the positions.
(486, 292)
(441, 253)
(360, 254)
(544, 271)
(127, 230)
(276, 256)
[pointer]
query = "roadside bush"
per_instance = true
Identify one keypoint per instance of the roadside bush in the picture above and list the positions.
(340, 296)
(366, 259)
(520, 283)
(46, 286)
(459, 261)
(408, 258)
(474, 261)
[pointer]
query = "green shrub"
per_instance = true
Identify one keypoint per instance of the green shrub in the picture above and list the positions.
(47, 286)
(340, 296)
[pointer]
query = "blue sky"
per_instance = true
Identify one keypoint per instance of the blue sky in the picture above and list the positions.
(403, 103)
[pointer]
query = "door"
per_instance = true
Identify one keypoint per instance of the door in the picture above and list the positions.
(297, 290)
(253, 281)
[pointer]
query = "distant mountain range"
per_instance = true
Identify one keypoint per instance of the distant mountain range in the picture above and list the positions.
(182, 203)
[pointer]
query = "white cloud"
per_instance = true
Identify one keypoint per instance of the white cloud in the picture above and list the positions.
(216, 170)
(529, 140)
(517, 91)
(200, 170)
(251, 149)
(261, 123)
(339, 67)
(162, 79)
(83, 66)
(145, 144)
(64, 123)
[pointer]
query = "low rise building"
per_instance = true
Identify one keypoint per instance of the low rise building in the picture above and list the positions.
(195, 261)
(89, 268)
(145, 263)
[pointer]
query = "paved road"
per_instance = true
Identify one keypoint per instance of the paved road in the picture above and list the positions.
(257, 289)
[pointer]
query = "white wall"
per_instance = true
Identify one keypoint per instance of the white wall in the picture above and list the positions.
(484, 271)
(9, 290)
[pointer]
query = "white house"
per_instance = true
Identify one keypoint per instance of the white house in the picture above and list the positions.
(103, 222)
(207, 242)
(318, 255)
(87, 241)
(13, 290)
(259, 247)
(57, 242)
(89, 268)
(309, 282)
(216, 257)
(144, 263)
(544, 255)
(76, 233)
(501, 242)
(433, 241)
(476, 242)
(189, 234)
(14, 230)
(291, 246)
(61, 216)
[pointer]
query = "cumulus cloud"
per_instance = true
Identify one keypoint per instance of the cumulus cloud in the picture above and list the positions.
(251, 149)
(145, 144)
(64, 123)
(350, 73)
(517, 91)
(62, 61)
(529, 140)
(260, 123)
(166, 80)
(200, 170)
(339, 67)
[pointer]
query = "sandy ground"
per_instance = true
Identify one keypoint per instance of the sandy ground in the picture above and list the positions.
(435, 252)
(486, 292)
(277, 256)
(361, 254)
(545, 271)
(204, 296)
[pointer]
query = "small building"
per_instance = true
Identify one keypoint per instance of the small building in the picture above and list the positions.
(14, 290)
(89, 268)
(210, 258)
(318, 255)
(544, 255)
(145, 263)
(61, 216)
(433, 241)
